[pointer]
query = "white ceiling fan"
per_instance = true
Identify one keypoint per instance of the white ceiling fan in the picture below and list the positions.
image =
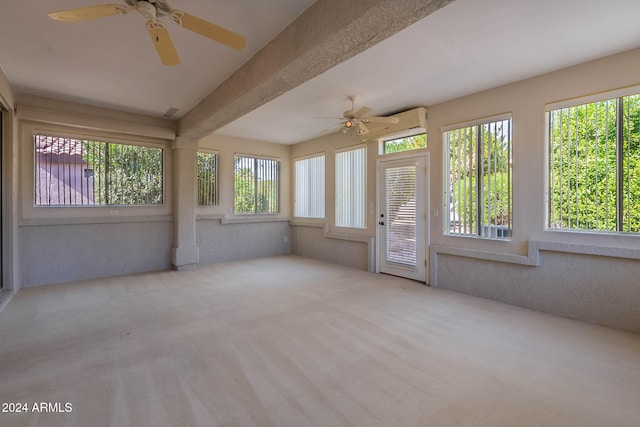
(356, 120)
(153, 10)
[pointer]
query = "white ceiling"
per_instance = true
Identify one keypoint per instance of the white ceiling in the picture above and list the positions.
(468, 46)
(111, 62)
(465, 47)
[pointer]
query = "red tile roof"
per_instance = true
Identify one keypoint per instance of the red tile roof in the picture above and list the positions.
(46, 144)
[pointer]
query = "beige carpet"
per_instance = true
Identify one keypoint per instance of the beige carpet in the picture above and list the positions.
(288, 341)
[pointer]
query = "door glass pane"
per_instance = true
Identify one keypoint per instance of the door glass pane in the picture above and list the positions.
(400, 215)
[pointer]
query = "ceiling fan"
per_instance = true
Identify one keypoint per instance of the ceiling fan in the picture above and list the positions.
(153, 10)
(356, 120)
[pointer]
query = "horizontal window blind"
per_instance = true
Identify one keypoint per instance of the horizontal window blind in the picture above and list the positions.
(400, 191)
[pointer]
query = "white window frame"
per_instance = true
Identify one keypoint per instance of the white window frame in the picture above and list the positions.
(402, 135)
(277, 189)
(102, 138)
(483, 231)
(611, 95)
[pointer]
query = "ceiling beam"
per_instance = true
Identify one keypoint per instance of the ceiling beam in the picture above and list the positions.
(326, 34)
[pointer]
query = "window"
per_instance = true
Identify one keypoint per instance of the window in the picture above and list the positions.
(351, 176)
(413, 142)
(309, 201)
(256, 185)
(75, 172)
(207, 178)
(478, 184)
(594, 166)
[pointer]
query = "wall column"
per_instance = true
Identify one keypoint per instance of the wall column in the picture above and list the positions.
(184, 254)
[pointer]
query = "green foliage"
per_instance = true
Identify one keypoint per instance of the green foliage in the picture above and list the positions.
(207, 175)
(244, 201)
(494, 195)
(584, 167)
(405, 144)
(255, 192)
(125, 174)
(631, 164)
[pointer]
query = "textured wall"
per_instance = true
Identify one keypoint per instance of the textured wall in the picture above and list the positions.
(326, 34)
(309, 242)
(228, 242)
(593, 289)
(64, 253)
(597, 289)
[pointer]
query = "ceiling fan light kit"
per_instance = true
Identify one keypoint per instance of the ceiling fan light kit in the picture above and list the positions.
(356, 119)
(153, 10)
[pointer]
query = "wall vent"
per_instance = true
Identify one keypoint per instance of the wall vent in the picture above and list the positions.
(170, 112)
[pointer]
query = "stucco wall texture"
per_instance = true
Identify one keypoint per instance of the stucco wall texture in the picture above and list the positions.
(595, 289)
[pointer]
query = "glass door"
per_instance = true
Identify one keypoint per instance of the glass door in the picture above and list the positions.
(402, 217)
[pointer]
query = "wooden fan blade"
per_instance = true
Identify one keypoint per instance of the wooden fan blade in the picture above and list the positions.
(91, 12)
(348, 114)
(207, 29)
(362, 112)
(374, 119)
(332, 128)
(164, 46)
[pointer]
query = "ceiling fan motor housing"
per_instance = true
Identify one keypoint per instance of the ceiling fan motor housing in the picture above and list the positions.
(146, 9)
(162, 6)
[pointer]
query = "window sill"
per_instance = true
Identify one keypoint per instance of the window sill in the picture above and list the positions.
(593, 233)
(94, 220)
(490, 239)
(533, 252)
(308, 222)
(249, 219)
(532, 258)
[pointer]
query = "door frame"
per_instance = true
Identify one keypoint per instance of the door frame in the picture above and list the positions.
(2, 215)
(380, 163)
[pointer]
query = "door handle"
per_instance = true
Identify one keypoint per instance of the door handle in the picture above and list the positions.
(381, 223)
